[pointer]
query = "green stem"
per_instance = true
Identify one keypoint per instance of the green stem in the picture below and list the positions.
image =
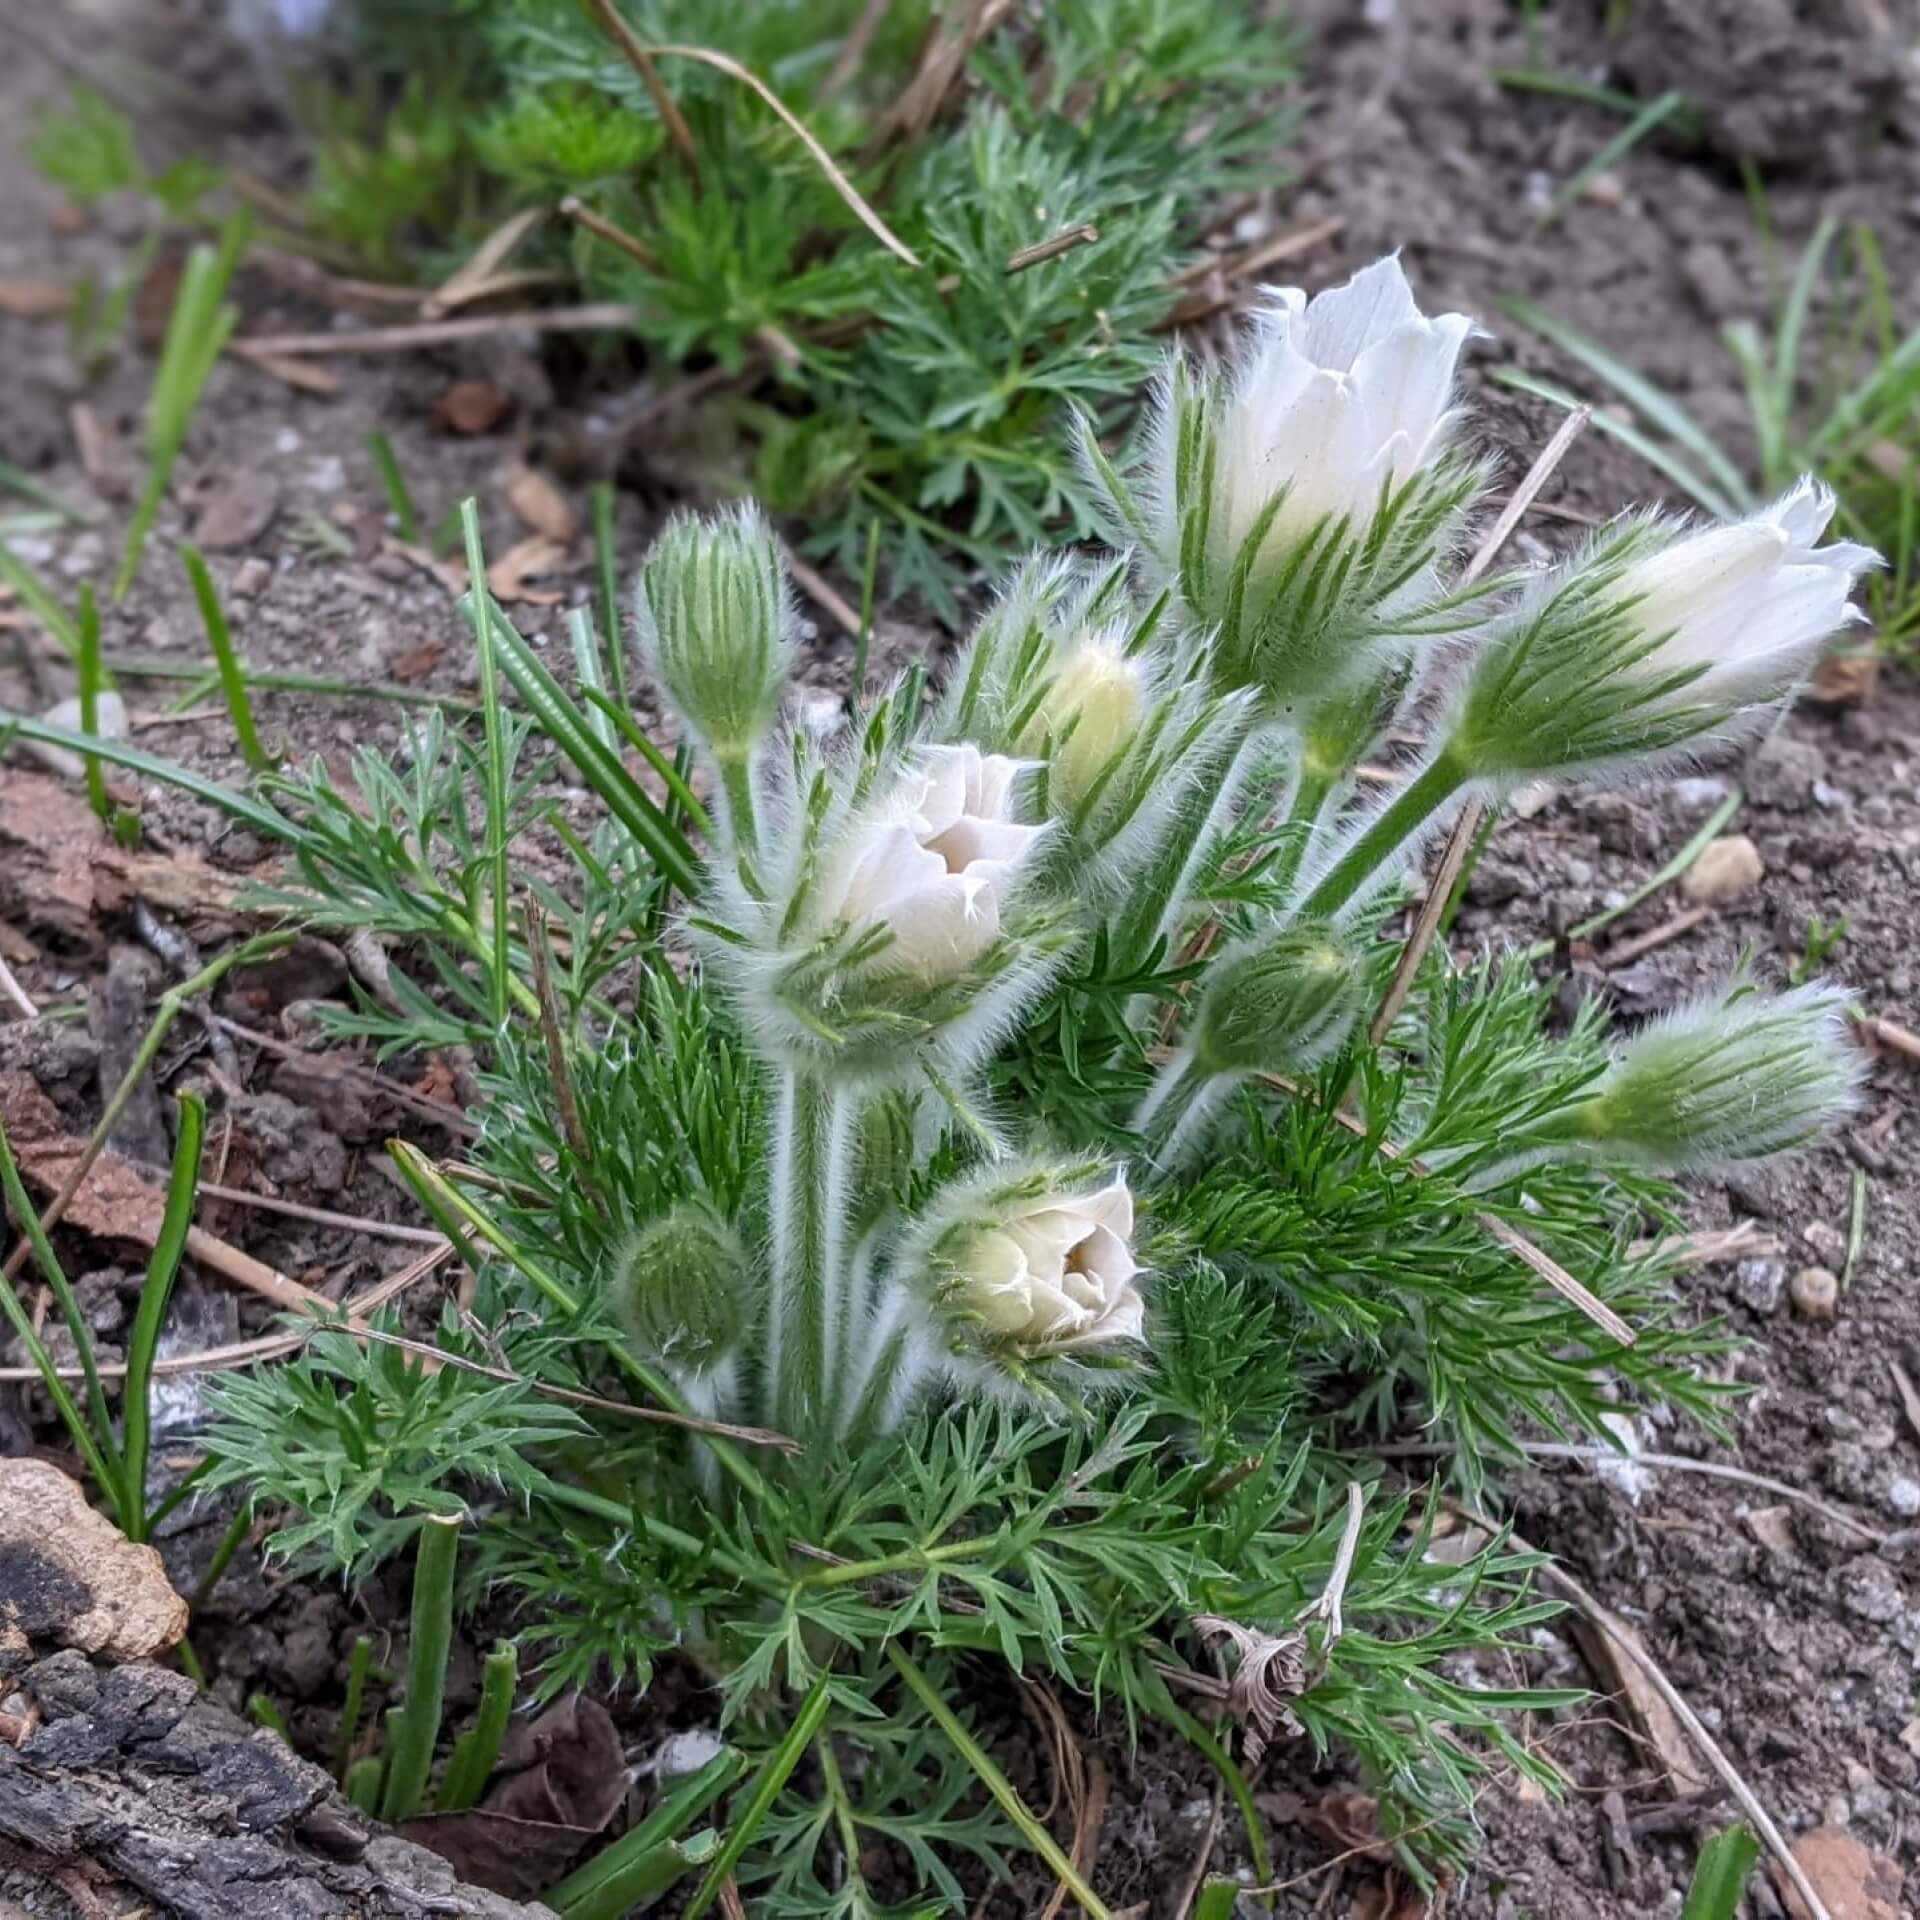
(222, 1559)
(233, 682)
(481, 610)
(996, 1783)
(429, 1637)
(1231, 1777)
(1303, 820)
(1422, 797)
(739, 801)
(1171, 1120)
(358, 1663)
(1174, 875)
(797, 1331)
(477, 1751)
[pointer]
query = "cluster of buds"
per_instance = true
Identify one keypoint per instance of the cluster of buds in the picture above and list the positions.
(1122, 751)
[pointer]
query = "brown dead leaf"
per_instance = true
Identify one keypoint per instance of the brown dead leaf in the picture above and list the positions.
(1853, 1883)
(1623, 1678)
(26, 298)
(438, 1083)
(561, 1779)
(416, 663)
(451, 574)
(153, 299)
(472, 407)
(1845, 679)
(114, 1200)
(511, 576)
(1396, 1898)
(1350, 1821)
(72, 1578)
(536, 497)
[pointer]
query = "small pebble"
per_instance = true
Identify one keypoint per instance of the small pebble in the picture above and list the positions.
(1832, 798)
(1757, 1284)
(1903, 1496)
(1827, 1242)
(1729, 867)
(1579, 874)
(1816, 1293)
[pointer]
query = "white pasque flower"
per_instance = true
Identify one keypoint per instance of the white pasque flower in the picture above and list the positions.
(936, 860)
(1341, 394)
(1057, 1273)
(1749, 601)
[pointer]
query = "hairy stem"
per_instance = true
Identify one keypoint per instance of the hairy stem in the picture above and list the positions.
(1174, 1116)
(1390, 830)
(738, 797)
(810, 1197)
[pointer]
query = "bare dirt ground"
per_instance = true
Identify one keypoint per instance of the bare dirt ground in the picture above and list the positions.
(1794, 1636)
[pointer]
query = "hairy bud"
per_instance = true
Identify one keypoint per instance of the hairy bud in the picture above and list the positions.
(1090, 714)
(716, 628)
(676, 1287)
(1280, 1003)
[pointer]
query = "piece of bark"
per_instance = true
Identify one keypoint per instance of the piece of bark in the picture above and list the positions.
(70, 1578)
(119, 1012)
(133, 1775)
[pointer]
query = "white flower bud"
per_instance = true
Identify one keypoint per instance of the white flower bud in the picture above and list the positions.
(1043, 1267)
(1090, 713)
(716, 625)
(1736, 1076)
(1750, 602)
(935, 861)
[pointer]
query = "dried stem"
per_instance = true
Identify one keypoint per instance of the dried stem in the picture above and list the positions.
(15, 994)
(664, 103)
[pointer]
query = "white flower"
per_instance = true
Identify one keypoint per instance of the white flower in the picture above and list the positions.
(935, 863)
(1098, 693)
(1057, 1273)
(1749, 601)
(1341, 394)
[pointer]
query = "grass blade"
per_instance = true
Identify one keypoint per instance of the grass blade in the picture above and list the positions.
(233, 683)
(1643, 123)
(779, 1765)
(996, 1783)
(429, 1637)
(1662, 459)
(105, 1470)
(479, 606)
(39, 601)
(151, 1314)
(606, 561)
(243, 807)
(647, 1859)
(359, 1662)
(90, 690)
(1720, 1877)
(1661, 410)
(395, 483)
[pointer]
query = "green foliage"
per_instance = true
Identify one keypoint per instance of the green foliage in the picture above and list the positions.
(931, 403)
(1725, 1866)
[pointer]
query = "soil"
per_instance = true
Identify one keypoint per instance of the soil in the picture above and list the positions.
(1795, 1638)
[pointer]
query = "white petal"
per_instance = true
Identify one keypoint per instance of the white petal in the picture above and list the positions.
(1329, 455)
(1107, 1260)
(1802, 512)
(887, 864)
(1692, 578)
(1777, 638)
(1406, 382)
(1340, 324)
(944, 774)
(1000, 1284)
(972, 842)
(943, 928)
(1112, 1207)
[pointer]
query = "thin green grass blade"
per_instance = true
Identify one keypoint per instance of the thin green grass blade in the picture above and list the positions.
(606, 564)
(233, 683)
(645, 1860)
(243, 807)
(479, 606)
(1643, 123)
(151, 1314)
(1661, 410)
(773, 1775)
(18, 480)
(395, 484)
(93, 1448)
(1721, 1874)
(1659, 457)
(477, 1751)
(91, 687)
(39, 601)
(359, 1664)
(205, 676)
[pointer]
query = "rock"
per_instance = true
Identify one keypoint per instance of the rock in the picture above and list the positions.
(472, 407)
(1870, 1591)
(1757, 1284)
(1903, 1496)
(1870, 1800)
(1852, 1883)
(1784, 771)
(1714, 281)
(1728, 867)
(111, 715)
(238, 512)
(1828, 1243)
(1816, 1294)
(70, 1578)
(252, 578)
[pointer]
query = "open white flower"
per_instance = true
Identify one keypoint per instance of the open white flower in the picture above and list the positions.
(936, 861)
(1342, 394)
(1749, 601)
(1057, 1273)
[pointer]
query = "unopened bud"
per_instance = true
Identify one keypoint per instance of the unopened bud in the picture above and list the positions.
(1281, 1003)
(676, 1287)
(716, 625)
(1090, 713)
